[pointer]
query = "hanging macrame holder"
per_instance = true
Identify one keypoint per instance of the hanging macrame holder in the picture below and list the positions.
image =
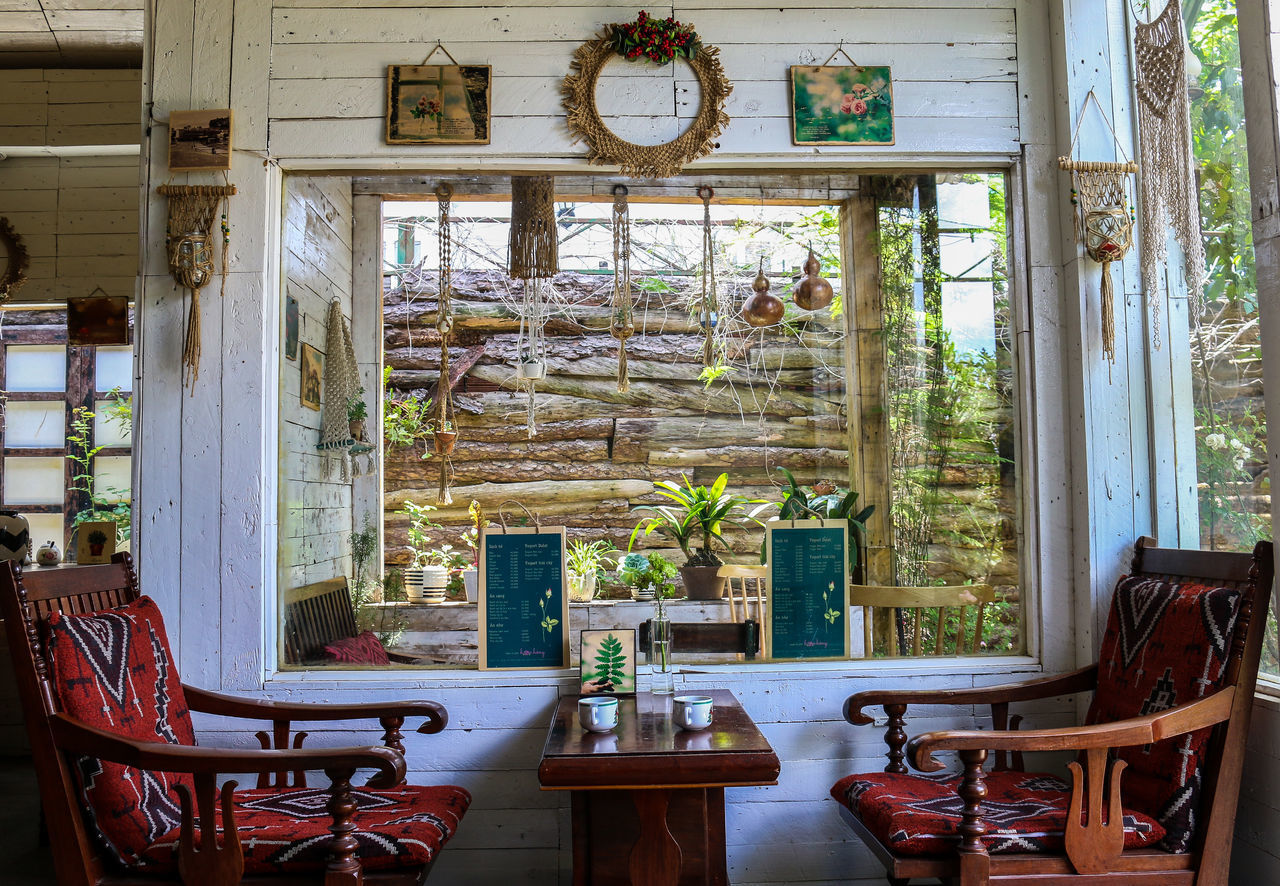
(341, 386)
(444, 325)
(622, 323)
(1100, 191)
(188, 240)
(532, 256)
(707, 315)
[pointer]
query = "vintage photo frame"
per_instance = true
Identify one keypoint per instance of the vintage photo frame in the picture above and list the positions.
(200, 141)
(312, 367)
(608, 668)
(841, 105)
(438, 104)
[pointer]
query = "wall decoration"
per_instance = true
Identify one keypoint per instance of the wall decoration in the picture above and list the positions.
(808, 580)
(443, 430)
(98, 319)
(200, 141)
(1168, 194)
(1102, 216)
(657, 41)
(621, 323)
(841, 104)
(342, 393)
(609, 662)
(438, 104)
(292, 324)
(761, 308)
(814, 291)
(524, 604)
(533, 255)
(311, 369)
(189, 240)
(95, 543)
(16, 260)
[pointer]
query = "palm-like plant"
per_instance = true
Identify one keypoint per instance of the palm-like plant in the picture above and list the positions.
(829, 502)
(697, 511)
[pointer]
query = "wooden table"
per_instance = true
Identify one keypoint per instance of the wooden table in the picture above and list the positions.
(648, 798)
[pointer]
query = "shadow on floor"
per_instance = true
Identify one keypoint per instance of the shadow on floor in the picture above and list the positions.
(25, 862)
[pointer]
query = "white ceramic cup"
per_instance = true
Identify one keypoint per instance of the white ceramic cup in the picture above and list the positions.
(692, 711)
(598, 714)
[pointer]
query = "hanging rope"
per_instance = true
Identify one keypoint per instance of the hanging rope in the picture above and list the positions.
(533, 256)
(189, 240)
(622, 325)
(444, 325)
(1168, 185)
(707, 312)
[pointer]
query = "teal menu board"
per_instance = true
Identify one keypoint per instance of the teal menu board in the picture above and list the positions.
(524, 610)
(808, 580)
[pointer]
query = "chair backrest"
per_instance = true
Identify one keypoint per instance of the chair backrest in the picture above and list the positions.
(315, 615)
(920, 604)
(27, 599)
(740, 637)
(747, 582)
(1183, 625)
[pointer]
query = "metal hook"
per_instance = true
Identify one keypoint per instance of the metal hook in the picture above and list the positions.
(706, 193)
(444, 191)
(621, 190)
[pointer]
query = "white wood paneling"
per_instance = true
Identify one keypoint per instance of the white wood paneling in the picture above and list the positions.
(65, 108)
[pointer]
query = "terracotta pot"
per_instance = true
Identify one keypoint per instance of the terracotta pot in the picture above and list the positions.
(702, 582)
(357, 429)
(444, 441)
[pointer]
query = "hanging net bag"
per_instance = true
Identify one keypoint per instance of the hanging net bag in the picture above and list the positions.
(341, 387)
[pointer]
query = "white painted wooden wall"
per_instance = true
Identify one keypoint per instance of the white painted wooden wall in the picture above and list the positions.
(306, 80)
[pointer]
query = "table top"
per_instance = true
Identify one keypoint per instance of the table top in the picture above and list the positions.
(648, 750)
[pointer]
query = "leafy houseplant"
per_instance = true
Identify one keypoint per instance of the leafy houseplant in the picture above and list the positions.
(357, 413)
(829, 502)
(585, 560)
(422, 573)
(406, 420)
(368, 590)
(105, 503)
(699, 513)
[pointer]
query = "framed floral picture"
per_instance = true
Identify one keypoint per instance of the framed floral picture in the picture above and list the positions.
(609, 662)
(841, 105)
(438, 104)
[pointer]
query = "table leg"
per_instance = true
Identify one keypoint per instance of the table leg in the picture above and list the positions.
(656, 857)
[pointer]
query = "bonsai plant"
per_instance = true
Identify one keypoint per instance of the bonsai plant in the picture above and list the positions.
(829, 502)
(699, 513)
(585, 560)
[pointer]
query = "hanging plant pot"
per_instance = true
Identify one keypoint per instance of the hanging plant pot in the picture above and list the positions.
(357, 429)
(444, 441)
(702, 582)
(531, 370)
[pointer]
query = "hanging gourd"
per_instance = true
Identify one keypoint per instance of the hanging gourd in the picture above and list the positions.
(621, 323)
(1102, 216)
(444, 433)
(813, 291)
(761, 308)
(533, 256)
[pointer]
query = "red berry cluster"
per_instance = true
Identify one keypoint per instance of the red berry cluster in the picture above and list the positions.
(659, 40)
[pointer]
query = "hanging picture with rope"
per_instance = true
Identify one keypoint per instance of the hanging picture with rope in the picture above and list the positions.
(841, 104)
(438, 104)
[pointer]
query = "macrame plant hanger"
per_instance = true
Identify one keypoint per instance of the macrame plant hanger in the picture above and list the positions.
(1103, 214)
(707, 315)
(533, 256)
(444, 325)
(1167, 187)
(189, 243)
(622, 324)
(341, 387)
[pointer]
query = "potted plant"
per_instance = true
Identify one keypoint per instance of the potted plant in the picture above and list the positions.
(699, 513)
(585, 560)
(421, 574)
(444, 437)
(471, 538)
(357, 413)
(828, 501)
(531, 368)
(453, 563)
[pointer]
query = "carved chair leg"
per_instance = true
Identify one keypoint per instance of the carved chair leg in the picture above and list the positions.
(209, 865)
(975, 863)
(392, 737)
(895, 737)
(343, 868)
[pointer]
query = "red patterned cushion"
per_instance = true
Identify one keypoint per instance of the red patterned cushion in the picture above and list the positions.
(364, 648)
(113, 670)
(1166, 644)
(920, 814)
(282, 831)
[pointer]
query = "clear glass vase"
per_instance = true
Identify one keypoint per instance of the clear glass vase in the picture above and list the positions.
(662, 680)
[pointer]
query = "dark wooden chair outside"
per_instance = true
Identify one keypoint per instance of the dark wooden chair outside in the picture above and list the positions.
(317, 615)
(116, 671)
(1152, 795)
(720, 637)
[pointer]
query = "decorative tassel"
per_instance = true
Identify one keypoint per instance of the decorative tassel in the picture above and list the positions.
(191, 343)
(532, 249)
(1108, 314)
(624, 381)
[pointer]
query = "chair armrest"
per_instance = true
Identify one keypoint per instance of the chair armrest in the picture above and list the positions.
(207, 702)
(1083, 680)
(72, 735)
(1207, 711)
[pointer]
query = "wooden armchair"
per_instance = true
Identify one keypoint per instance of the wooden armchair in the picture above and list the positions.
(1152, 795)
(125, 788)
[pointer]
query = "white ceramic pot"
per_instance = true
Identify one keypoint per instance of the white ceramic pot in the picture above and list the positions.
(413, 585)
(582, 587)
(531, 370)
(471, 584)
(434, 581)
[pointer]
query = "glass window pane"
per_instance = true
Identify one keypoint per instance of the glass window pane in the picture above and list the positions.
(114, 368)
(112, 477)
(109, 428)
(45, 527)
(33, 481)
(36, 368)
(35, 424)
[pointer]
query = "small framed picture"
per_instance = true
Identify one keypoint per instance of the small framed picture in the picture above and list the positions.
(438, 104)
(95, 543)
(98, 320)
(291, 325)
(311, 361)
(841, 105)
(609, 662)
(200, 140)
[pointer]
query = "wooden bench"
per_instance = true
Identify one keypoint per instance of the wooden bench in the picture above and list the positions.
(316, 615)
